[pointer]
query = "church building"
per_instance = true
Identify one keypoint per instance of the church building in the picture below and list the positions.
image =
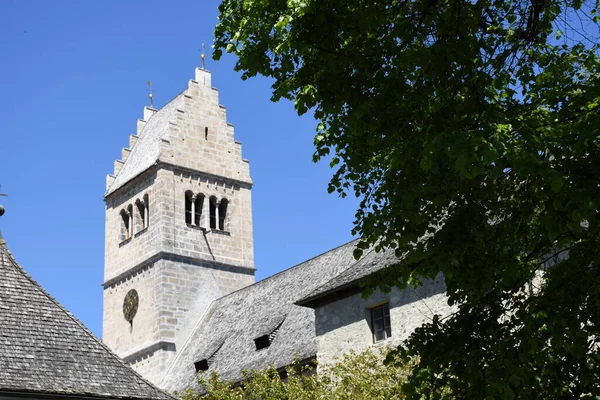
(180, 296)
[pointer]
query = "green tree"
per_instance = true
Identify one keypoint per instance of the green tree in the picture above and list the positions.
(352, 377)
(470, 131)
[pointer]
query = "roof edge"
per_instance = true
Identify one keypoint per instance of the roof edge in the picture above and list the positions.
(179, 353)
(158, 163)
(60, 395)
(5, 251)
(332, 295)
(114, 188)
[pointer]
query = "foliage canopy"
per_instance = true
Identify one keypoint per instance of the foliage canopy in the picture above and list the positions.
(353, 377)
(469, 129)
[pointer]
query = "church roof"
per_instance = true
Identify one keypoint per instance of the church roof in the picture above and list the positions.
(147, 148)
(225, 335)
(46, 351)
(347, 282)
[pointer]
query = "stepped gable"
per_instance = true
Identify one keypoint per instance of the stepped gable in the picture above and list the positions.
(153, 129)
(225, 335)
(47, 352)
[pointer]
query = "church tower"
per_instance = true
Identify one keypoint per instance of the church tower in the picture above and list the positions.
(178, 227)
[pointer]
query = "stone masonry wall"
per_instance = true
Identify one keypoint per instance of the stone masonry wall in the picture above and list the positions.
(234, 245)
(173, 296)
(345, 325)
(201, 139)
(153, 364)
(120, 256)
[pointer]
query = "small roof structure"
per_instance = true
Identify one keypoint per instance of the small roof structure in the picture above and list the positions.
(47, 353)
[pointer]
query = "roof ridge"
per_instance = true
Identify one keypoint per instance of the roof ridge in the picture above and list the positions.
(346, 270)
(163, 107)
(293, 267)
(6, 252)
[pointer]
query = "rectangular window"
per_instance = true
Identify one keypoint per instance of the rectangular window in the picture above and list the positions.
(380, 322)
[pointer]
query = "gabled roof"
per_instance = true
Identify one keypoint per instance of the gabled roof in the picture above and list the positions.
(147, 148)
(46, 351)
(225, 335)
(347, 283)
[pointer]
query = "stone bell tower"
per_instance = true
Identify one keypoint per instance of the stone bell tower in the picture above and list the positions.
(178, 227)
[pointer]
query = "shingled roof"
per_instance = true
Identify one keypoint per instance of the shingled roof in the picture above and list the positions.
(147, 149)
(347, 283)
(47, 352)
(224, 337)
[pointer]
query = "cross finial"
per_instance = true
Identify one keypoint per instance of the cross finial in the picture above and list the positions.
(1, 207)
(150, 95)
(202, 56)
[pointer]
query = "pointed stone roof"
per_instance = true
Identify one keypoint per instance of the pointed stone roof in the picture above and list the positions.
(147, 148)
(47, 352)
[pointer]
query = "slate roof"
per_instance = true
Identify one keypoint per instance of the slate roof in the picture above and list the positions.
(346, 283)
(147, 148)
(46, 351)
(225, 333)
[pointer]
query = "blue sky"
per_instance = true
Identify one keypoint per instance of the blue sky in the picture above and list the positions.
(72, 85)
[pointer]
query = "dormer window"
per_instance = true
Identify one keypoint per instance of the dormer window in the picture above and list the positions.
(262, 342)
(205, 363)
(201, 365)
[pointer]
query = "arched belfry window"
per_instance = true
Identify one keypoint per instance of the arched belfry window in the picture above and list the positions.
(188, 207)
(125, 227)
(198, 207)
(147, 211)
(223, 214)
(130, 215)
(213, 212)
(140, 216)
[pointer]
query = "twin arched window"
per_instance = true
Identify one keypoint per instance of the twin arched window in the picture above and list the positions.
(134, 217)
(194, 206)
(205, 213)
